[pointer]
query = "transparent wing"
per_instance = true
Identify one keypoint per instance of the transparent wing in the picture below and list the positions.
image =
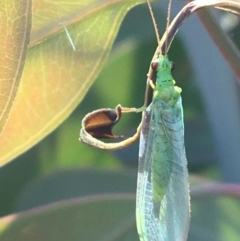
(162, 187)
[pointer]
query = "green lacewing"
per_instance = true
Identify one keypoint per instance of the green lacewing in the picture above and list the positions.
(162, 208)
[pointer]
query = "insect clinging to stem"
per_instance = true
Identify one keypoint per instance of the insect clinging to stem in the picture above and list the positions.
(162, 208)
(162, 203)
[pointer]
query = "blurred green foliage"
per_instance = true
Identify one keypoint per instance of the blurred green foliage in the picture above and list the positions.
(122, 81)
(60, 167)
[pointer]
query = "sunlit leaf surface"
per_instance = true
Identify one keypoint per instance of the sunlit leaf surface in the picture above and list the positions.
(15, 24)
(56, 77)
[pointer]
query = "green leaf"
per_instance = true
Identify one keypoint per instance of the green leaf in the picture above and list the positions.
(215, 219)
(56, 77)
(108, 214)
(15, 25)
(108, 217)
(72, 183)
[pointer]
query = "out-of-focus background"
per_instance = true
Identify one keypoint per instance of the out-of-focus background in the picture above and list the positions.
(60, 167)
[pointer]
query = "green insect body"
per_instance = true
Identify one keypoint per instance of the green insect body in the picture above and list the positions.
(165, 90)
(162, 208)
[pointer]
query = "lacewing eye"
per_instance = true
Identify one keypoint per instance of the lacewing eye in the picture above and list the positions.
(154, 65)
(172, 66)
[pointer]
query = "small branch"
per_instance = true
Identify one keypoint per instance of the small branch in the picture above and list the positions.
(221, 40)
(213, 190)
(226, 47)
